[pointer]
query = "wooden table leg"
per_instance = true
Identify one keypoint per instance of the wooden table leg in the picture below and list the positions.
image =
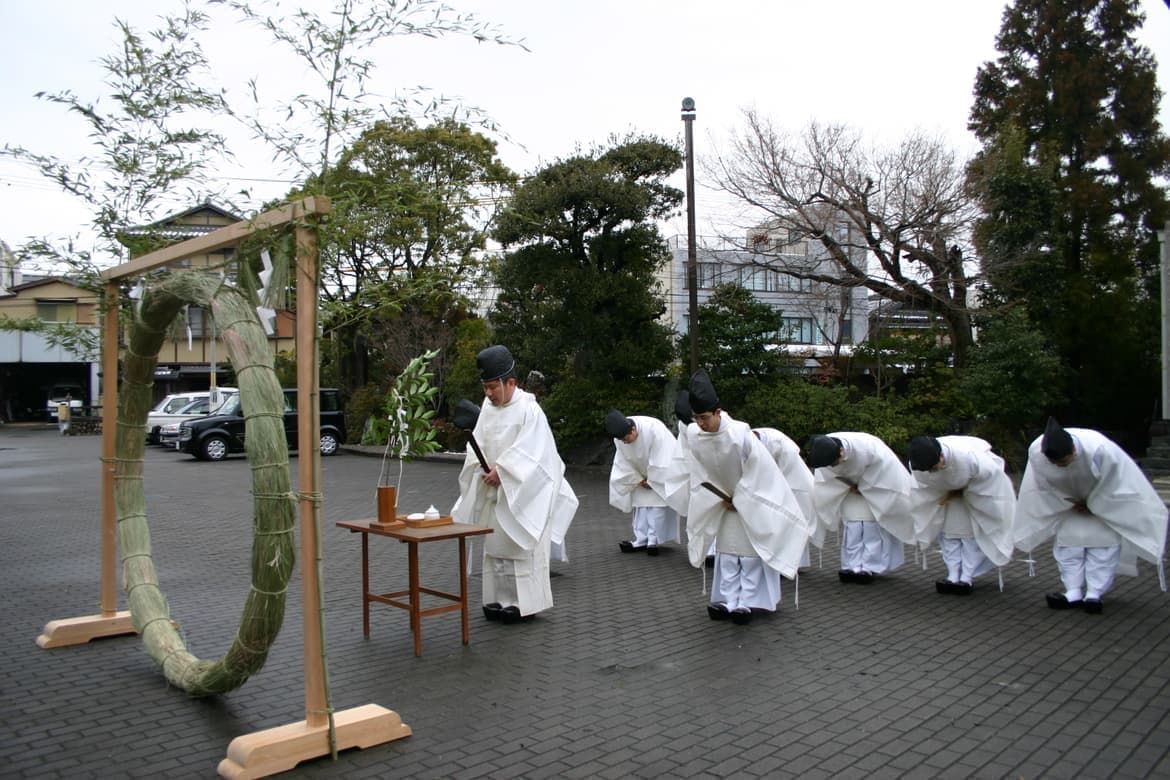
(463, 589)
(366, 585)
(415, 599)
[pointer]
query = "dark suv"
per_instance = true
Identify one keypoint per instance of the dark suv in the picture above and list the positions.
(216, 436)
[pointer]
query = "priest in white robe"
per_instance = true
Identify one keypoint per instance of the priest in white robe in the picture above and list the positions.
(644, 452)
(786, 453)
(523, 495)
(861, 490)
(964, 500)
(741, 502)
(1082, 489)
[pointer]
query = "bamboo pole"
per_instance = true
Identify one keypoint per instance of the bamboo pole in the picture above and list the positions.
(308, 461)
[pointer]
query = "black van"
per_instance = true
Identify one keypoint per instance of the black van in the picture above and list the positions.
(216, 436)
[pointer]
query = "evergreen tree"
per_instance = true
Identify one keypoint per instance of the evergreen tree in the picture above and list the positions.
(1069, 181)
(579, 298)
(738, 343)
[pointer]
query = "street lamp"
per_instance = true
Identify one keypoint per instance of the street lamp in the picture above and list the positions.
(688, 117)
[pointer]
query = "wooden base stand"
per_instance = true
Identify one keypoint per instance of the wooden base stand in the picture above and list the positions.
(388, 525)
(78, 631)
(280, 749)
(441, 520)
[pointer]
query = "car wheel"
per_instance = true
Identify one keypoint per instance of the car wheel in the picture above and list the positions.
(214, 448)
(328, 443)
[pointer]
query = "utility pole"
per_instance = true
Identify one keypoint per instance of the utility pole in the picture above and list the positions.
(1164, 241)
(688, 117)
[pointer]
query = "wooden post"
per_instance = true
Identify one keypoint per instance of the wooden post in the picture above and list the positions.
(111, 622)
(280, 749)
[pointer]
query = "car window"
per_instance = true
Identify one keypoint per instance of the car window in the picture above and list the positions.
(195, 407)
(175, 404)
(230, 407)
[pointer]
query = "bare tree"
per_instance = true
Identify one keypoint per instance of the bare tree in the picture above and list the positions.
(904, 208)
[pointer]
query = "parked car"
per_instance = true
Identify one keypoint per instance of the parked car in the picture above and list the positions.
(174, 408)
(218, 435)
(58, 394)
(167, 434)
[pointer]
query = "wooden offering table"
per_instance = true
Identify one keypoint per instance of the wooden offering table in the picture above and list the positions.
(414, 536)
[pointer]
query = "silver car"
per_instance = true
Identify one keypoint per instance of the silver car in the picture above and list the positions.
(183, 406)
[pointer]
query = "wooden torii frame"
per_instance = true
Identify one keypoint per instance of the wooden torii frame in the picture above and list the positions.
(278, 749)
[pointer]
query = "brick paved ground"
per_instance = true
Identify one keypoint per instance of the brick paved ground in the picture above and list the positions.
(626, 677)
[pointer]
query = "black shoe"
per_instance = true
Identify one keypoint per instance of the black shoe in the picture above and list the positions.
(717, 612)
(863, 577)
(741, 616)
(1093, 606)
(627, 547)
(511, 615)
(492, 611)
(944, 586)
(963, 589)
(1058, 601)
(652, 549)
(709, 562)
(845, 575)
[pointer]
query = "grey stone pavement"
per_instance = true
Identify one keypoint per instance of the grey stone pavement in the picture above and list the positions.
(625, 677)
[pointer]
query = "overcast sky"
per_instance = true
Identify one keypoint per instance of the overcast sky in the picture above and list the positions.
(594, 69)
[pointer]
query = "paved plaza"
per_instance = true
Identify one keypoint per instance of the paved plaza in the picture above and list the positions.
(625, 677)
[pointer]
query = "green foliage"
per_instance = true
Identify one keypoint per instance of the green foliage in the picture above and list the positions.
(737, 340)
(408, 408)
(1014, 377)
(580, 299)
(365, 405)
(935, 394)
(403, 245)
(576, 407)
(1071, 182)
(889, 357)
(801, 409)
(471, 336)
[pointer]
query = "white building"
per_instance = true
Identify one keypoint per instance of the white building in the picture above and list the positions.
(816, 314)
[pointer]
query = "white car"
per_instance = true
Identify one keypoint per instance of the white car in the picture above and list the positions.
(183, 406)
(58, 394)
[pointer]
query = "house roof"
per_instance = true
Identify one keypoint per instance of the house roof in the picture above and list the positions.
(180, 224)
(43, 281)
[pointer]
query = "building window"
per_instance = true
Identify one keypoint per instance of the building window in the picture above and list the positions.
(847, 330)
(708, 275)
(57, 311)
(791, 283)
(198, 321)
(799, 330)
(759, 279)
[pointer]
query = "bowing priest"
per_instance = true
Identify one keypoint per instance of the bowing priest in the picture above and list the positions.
(739, 500)
(523, 495)
(1084, 490)
(644, 452)
(862, 490)
(964, 500)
